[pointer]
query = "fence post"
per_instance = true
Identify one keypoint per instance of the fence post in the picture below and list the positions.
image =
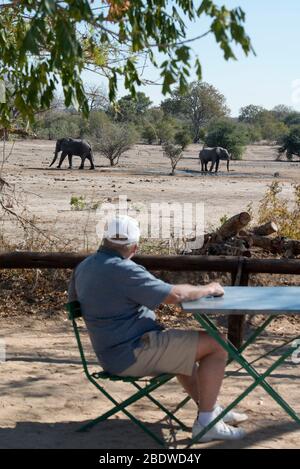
(236, 322)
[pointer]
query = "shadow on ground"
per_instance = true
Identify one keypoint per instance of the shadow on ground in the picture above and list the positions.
(107, 436)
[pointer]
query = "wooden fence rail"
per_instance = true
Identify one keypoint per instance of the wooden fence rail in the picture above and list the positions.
(61, 260)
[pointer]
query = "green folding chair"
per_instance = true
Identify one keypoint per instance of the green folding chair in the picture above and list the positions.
(145, 390)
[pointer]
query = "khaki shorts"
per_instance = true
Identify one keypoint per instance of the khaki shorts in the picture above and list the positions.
(167, 351)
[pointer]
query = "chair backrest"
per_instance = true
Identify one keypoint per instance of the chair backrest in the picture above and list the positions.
(74, 312)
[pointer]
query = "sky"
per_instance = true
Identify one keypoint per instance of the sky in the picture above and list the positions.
(271, 77)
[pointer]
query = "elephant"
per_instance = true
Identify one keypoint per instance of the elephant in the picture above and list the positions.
(70, 147)
(213, 155)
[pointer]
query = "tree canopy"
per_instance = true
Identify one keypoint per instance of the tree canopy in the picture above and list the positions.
(129, 109)
(47, 43)
(200, 104)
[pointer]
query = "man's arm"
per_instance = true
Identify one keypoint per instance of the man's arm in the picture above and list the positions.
(186, 292)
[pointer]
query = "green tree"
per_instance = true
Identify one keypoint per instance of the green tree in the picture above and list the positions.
(292, 119)
(131, 108)
(271, 128)
(250, 114)
(270, 124)
(45, 43)
(199, 105)
(281, 112)
(227, 134)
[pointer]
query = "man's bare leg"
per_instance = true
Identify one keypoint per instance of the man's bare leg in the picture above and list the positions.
(208, 376)
(190, 384)
(212, 360)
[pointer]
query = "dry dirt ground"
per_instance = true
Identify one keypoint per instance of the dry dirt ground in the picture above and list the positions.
(142, 176)
(44, 396)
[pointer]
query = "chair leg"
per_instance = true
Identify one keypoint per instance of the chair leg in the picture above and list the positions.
(121, 407)
(164, 409)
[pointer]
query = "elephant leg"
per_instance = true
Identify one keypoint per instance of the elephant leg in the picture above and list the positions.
(82, 162)
(217, 165)
(91, 160)
(205, 166)
(62, 157)
(70, 160)
(212, 166)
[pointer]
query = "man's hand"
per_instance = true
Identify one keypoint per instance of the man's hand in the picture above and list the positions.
(216, 289)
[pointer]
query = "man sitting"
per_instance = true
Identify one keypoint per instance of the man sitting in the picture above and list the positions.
(118, 297)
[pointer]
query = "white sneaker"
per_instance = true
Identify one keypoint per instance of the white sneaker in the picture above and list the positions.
(220, 431)
(231, 417)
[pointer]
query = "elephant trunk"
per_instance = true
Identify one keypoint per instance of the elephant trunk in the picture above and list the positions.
(57, 150)
(54, 159)
(228, 164)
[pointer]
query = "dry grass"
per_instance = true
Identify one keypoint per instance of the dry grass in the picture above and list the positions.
(285, 213)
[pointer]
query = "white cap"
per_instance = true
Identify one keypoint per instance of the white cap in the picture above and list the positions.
(122, 230)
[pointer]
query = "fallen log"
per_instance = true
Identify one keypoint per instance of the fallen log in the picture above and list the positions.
(279, 245)
(233, 226)
(265, 230)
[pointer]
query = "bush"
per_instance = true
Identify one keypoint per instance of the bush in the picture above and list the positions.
(285, 214)
(174, 153)
(115, 140)
(291, 143)
(166, 130)
(149, 133)
(229, 135)
(273, 131)
(183, 138)
(77, 202)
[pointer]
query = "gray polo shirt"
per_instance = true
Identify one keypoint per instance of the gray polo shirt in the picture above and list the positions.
(117, 298)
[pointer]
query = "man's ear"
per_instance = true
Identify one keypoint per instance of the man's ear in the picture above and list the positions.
(133, 251)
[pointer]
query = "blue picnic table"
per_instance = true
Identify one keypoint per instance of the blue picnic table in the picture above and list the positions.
(269, 301)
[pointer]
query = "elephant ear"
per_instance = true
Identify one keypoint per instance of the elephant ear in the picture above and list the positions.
(218, 151)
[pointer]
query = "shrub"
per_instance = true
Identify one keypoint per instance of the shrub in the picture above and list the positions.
(291, 143)
(77, 203)
(229, 135)
(115, 140)
(174, 153)
(279, 209)
(183, 138)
